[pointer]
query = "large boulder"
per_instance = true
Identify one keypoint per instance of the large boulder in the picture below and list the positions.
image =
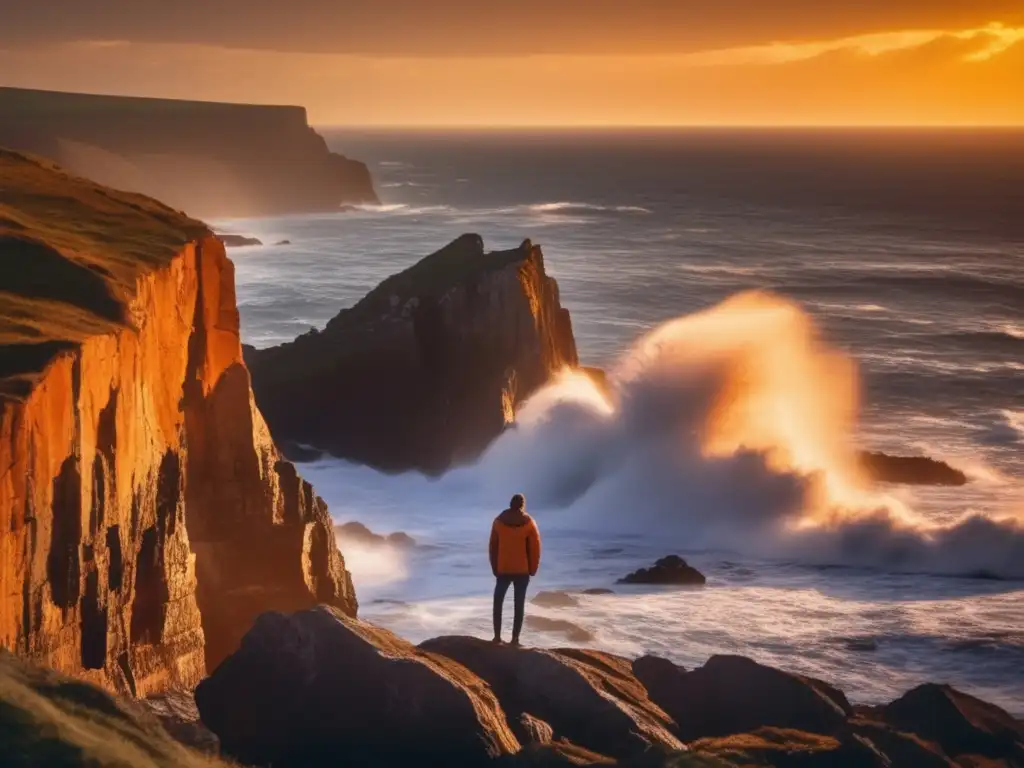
(588, 698)
(671, 570)
(317, 687)
(428, 368)
(734, 694)
(959, 723)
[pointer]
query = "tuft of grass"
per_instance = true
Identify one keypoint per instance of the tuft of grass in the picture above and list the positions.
(71, 252)
(47, 719)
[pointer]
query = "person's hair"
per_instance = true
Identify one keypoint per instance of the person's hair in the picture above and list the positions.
(518, 501)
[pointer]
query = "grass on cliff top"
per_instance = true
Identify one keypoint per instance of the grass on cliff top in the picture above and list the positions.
(47, 719)
(70, 253)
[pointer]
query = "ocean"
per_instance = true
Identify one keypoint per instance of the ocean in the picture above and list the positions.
(889, 267)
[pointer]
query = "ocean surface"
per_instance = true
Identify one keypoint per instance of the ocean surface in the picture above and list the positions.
(890, 315)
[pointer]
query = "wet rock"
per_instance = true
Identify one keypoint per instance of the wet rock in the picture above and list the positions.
(429, 367)
(283, 242)
(959, 723)
(671, 570)
(588, 698)
(555, 600)
(572, 632)
(316, 686)
(909, 470)
(733, 694)
(598, 591)
(237, 241)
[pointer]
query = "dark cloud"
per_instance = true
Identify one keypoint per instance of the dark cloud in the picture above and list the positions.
(476, 27)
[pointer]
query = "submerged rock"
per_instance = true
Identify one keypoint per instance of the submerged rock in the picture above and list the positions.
(668, 570)
(555, 600)
(909, 470)
(591, 699)
(428, 368)
(318, 687)
(599, 591)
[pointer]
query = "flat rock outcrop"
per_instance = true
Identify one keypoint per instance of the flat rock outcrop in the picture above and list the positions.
(670, 570)
(211, 159)
(428, 368)
(588, 698)
(146, 517)
(317, 687)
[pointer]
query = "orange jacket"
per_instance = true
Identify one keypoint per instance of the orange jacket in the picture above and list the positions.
(515, 545)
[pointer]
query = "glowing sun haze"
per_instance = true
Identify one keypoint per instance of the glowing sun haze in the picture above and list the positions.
(534, 62)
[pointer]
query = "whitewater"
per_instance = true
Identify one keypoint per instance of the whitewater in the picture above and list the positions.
(727, 429)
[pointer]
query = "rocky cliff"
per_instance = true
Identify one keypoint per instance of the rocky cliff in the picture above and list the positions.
(208, 158)
(145, 515)
(428, 367)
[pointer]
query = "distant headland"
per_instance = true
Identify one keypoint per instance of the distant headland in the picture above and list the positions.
(209, 159)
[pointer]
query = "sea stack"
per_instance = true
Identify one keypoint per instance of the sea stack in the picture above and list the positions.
(146, 517)
(429, 367)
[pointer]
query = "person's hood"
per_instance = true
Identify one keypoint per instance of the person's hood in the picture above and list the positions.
(514, 518)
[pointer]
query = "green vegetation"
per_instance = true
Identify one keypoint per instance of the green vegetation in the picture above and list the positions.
(50, 720)
(70, 254)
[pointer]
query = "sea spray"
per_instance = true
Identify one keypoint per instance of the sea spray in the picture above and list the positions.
(731, 429)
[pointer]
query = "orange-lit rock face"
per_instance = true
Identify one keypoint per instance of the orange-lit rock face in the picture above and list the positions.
(145, 516)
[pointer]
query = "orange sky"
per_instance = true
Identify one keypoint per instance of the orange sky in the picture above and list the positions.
(575, 62)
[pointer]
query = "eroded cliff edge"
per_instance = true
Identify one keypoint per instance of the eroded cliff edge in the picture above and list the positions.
(145, 516)
(426, 369)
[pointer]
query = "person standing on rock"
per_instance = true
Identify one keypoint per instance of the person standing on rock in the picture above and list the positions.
(515, 557)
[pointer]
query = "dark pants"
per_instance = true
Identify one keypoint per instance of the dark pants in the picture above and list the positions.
(520, 583)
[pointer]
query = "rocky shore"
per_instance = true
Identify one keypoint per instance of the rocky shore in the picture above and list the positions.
(319, 688)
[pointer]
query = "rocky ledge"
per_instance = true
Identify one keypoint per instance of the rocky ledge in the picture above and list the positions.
(146, 518)
(319, 687)
(428, 368)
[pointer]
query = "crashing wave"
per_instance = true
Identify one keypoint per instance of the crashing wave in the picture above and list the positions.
(733, 429)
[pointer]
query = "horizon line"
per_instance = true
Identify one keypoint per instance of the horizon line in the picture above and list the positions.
(663, 126)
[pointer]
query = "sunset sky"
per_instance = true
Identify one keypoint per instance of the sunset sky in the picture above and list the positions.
(540, 62)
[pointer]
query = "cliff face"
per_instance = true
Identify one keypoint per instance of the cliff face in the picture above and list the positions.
(429, 367)
(208, 158)
(145, 516)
